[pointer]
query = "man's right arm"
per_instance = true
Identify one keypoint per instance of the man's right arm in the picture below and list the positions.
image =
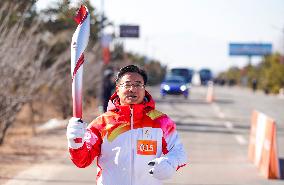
(84, 144)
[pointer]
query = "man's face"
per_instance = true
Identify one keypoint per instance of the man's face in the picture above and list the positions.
(130, 89)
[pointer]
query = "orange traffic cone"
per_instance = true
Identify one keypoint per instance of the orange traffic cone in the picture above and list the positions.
(263, 145)
(251, 149)
(210, 92)
(269, 162)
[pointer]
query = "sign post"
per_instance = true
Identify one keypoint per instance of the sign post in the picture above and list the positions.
(131, 31)
(250, 49)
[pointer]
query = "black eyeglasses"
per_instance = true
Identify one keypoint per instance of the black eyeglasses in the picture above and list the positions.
(129, 85)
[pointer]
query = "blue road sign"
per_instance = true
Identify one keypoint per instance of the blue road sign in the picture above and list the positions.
(250, 49)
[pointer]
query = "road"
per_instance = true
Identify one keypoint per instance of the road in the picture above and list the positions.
(215, 136)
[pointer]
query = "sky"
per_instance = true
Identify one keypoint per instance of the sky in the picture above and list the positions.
(196, 33)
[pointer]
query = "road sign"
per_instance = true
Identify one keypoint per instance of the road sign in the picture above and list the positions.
(250, 49)
(129, 31)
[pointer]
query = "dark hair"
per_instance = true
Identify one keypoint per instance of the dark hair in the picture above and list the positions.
(131, 69)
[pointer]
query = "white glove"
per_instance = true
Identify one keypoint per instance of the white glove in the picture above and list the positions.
(162, 168)
(76, 130)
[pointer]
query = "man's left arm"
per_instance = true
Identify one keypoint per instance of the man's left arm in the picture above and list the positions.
(174, 154)
(174, 150)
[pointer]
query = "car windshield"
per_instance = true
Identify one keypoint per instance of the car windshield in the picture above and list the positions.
(182, 72)
(174, 80)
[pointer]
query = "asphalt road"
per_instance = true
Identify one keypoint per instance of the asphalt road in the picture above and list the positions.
(215, 136)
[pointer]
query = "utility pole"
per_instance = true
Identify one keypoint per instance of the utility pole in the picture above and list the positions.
(281, 30)
(103, 15)
(283, 41)
(282, 55)
(102, 66)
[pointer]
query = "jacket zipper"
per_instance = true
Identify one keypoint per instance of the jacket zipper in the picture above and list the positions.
(132, 150)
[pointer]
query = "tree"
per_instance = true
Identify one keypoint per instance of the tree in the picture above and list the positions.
(59, 18)
(20, 67)
(24, 8)
(271, 73)
(268, 73)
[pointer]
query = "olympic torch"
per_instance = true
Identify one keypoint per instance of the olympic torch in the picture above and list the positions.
(79, 43)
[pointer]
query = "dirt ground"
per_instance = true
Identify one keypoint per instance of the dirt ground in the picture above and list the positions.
(23, 148)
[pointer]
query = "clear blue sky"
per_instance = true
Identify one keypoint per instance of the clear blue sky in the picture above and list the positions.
(196, 33)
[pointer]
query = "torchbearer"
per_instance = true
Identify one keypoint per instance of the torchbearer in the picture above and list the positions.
(134, 143)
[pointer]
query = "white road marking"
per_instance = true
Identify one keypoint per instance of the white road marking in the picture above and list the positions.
(229, 125)
(215, 107)
(218, 111)
(241, 140)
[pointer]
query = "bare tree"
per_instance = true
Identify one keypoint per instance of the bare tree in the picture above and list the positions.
(20, 69)
(25, 77)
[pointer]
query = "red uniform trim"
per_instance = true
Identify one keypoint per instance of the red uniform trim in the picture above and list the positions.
(180, 166)
(81, 15)
(164, 146)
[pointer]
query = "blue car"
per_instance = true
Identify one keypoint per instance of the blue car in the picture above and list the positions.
(175, 85)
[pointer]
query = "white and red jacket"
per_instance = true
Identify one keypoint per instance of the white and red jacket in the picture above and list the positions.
(125, 139)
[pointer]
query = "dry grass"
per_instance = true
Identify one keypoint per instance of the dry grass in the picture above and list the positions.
(22, 148)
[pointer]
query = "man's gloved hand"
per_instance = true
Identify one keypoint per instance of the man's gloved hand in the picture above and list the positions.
(162, 168)
(76, 130)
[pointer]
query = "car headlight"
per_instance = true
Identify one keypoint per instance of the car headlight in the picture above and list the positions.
(166, 87)
(183, 87)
